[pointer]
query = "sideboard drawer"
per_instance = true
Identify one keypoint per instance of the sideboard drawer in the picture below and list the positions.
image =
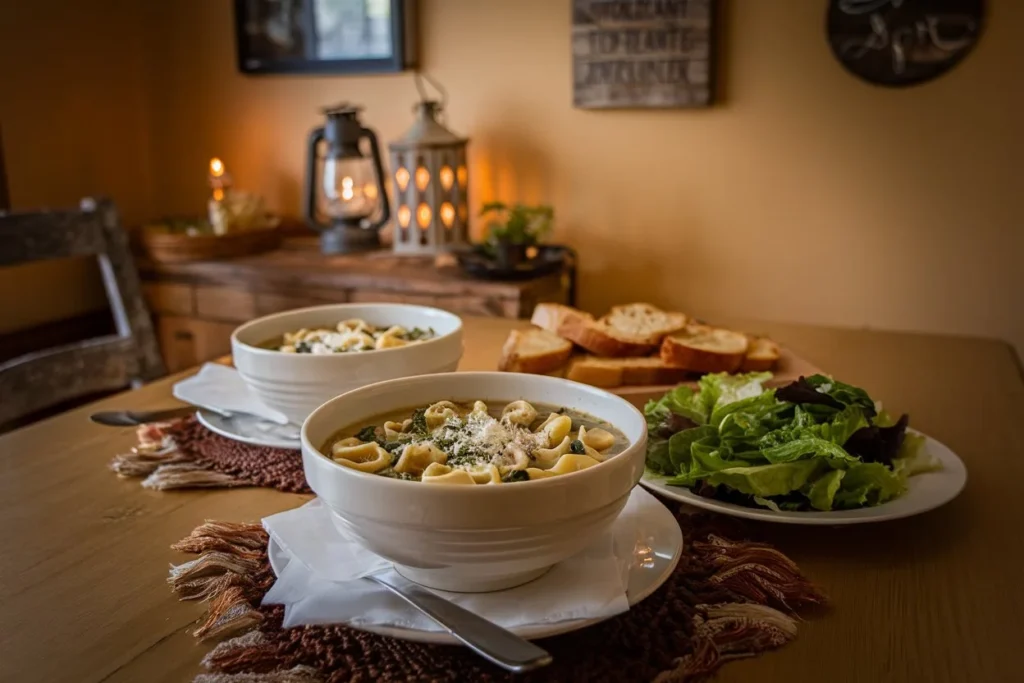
(225, 303)
(169, 297)
(187, 342)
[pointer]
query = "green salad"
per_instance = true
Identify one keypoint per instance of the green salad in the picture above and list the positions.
(815, 444)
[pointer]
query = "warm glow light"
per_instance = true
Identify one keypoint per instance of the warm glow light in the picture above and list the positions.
(402, 178)
(404, 216)
(463, 212)
(423, 215)
(462, 176)
(370, 190)
(447, 214)
(347, 193)
(531, 252)
(218, 194)
(422, 178)
(447, 177)
(216, 167)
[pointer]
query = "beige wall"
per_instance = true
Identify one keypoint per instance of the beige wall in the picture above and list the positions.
(806, 195)
(72, 112)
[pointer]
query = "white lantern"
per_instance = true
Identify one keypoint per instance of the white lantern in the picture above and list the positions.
(428, 171)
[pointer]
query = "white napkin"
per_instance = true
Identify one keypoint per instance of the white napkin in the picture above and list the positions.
(221, 387)
(318, 572)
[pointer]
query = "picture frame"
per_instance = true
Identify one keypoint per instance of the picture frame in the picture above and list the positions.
(325, 36)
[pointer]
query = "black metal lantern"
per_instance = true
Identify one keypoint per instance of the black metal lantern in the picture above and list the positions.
(345, 196)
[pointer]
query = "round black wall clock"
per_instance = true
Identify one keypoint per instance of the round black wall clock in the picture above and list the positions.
(897, 43)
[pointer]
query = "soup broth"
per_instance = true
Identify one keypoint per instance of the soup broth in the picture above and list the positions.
(476, 443)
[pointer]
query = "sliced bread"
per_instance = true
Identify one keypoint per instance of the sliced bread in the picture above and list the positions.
(535, 351)
(643, 322)
(763, 354)
(556, 318)
(617, 372)
(633, 330)
(702, 348)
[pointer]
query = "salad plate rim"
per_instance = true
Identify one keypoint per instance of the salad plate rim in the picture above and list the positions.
(925, 492)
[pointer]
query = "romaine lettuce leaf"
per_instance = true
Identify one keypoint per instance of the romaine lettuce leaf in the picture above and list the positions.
(766, 480)
(914, 458)
(868, 483)
(720, 389)
(847, 394)
(822, 490)
(658, 456)
(807, 447)
(679, 446)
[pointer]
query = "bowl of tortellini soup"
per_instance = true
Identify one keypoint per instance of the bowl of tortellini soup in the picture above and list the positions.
(295, 360)
(474, 481)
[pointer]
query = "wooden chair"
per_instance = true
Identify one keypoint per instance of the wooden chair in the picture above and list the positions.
(45, 378)
(5, 197)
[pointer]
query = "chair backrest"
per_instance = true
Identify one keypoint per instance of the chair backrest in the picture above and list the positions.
(5, 197)
(45, 378)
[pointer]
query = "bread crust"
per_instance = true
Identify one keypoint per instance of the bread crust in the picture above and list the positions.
(512, 360)
(600, 341)
(677, 352)
(763, 354)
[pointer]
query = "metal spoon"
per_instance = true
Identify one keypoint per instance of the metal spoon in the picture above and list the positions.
(133, 418)
(487, 639)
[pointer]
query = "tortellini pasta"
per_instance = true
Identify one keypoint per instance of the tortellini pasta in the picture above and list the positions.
(439, 413)
(349, 336)
(520, 413)
(367, 457)
(416, 457)
(471, 444)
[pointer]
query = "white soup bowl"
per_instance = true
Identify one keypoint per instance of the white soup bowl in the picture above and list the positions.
(296, 383)
(483, 537)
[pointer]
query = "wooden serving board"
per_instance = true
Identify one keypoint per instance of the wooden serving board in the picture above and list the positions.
(790, 367)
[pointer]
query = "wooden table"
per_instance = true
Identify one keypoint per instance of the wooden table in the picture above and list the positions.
(935, 598)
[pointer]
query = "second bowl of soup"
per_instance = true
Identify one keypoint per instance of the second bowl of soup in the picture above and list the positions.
(296, 360)
(474, 481)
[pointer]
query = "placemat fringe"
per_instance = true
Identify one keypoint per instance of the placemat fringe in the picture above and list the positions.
(183, 454)
(165, 466)
(727, 600)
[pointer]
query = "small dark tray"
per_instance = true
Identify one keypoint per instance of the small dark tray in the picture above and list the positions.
(550, 258)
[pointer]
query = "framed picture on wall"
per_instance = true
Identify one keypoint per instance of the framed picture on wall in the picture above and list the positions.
(325, 36)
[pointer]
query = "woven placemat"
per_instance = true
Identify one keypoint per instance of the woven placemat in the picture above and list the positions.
(185, 454)
(725, 600)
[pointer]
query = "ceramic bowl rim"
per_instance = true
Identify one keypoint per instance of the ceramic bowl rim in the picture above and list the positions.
(259, 351)
(550, 482)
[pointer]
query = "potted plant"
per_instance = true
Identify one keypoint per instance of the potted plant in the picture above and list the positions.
(512, 230)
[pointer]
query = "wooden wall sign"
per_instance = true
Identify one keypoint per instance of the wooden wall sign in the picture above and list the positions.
(642, 53)
(902, 42)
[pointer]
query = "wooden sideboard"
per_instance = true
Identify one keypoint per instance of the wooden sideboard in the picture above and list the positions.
(197, 305)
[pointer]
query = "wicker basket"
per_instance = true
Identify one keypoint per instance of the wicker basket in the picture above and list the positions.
(166, 247)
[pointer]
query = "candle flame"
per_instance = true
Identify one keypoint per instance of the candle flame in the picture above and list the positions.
(218, 194)
(216, 167)
(346, 188)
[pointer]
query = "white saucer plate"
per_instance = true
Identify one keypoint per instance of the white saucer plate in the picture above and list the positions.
(925, 492)
(251, 429)
(656, 553)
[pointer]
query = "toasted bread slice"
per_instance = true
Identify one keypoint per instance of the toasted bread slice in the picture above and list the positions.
(535, 351)
(631, 330)
(702, 348)
(616, 372)
(556, 318)
(644, 322)
(762, 355)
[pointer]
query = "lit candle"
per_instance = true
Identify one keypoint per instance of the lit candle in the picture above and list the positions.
(219, 178)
